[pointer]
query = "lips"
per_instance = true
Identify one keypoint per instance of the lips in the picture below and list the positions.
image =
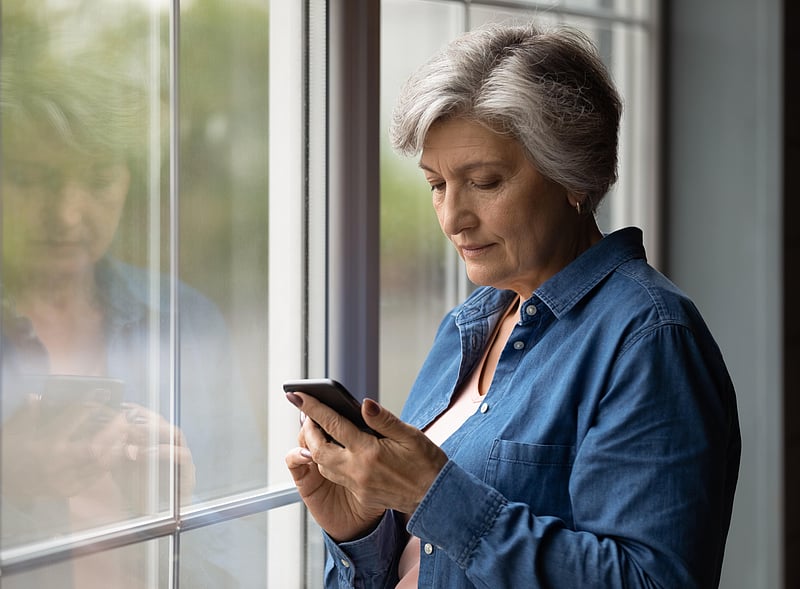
(473, 250)
(59, 247)
(74, 242)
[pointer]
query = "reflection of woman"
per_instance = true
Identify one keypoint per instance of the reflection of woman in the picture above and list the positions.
(72, 134)
(580, 427)
(70, 460)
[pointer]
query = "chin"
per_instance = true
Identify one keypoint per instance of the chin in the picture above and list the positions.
(480, 279)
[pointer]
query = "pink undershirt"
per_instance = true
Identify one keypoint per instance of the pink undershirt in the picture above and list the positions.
(465, 403)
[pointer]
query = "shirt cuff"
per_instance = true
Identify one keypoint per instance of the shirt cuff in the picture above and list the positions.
(456, 513)
(373, 555)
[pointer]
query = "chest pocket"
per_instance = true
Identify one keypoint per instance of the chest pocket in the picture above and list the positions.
(536, 474)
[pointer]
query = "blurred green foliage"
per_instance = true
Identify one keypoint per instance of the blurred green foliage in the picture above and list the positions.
(409, 234)
(224, 94)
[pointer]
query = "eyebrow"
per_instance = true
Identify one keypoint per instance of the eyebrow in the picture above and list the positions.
(469, 166)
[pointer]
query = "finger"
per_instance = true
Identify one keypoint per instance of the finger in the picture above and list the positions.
(384, 421)
(299, 458)
(304, 471)
(335, 425)
(112, 433)
(313, 438)
(148, 427)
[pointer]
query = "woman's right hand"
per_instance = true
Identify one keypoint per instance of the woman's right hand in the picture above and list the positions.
(348, 486)
(338, 511)
(47, 456)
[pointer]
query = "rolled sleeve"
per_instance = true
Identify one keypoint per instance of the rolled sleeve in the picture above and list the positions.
(369, 562)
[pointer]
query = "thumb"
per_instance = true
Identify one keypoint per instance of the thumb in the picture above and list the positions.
(382, 420)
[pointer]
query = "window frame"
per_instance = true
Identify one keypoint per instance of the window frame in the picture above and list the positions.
(323, 274)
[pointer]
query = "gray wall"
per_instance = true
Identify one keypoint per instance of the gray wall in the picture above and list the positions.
(723, 237)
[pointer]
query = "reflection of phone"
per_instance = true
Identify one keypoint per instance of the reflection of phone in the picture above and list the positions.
(335, 396)
(93, 399)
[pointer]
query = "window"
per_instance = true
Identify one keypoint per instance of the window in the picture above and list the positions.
(182, 230)
(421, 276)
(140, 446)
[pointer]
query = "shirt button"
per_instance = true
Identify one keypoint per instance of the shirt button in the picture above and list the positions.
(519, 345)
(530, 310)
(345, 563)
(484, 407)
(428, 548)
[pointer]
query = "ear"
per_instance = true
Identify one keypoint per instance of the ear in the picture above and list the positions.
(577, 200)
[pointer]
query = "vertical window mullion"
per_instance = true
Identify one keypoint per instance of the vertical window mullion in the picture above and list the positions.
(353, 172)
(174, 235)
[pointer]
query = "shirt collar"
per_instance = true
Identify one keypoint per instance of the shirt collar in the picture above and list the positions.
(119, 293)
(561, 292)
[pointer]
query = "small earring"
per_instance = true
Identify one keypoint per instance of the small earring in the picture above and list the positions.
(578, 207)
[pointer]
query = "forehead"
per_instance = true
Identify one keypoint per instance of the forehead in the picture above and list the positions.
(467, 143)
(37, 147)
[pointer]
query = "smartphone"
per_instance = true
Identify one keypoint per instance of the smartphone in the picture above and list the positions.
(334, 395)
(93, 400)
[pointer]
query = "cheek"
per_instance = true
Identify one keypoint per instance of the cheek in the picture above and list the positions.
(21, 216)
(105, 221)
(439, 211)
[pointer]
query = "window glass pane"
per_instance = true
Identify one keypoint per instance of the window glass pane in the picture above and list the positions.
(285, 557)
(223, 242)
(226, 555)
(146, 564)
(625, 8)
(85, 317)
(481, 15)
(418, 268)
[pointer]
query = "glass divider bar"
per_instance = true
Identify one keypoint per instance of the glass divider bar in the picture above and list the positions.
(38, 554)
(599, 14)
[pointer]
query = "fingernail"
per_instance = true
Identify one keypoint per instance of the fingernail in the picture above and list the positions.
(372, 408)
(305, 453)
(132, 452)
(294, 400)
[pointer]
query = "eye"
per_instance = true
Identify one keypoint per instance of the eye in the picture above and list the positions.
(31, 176)
(491, 185)
(437, 186)
(100, 180)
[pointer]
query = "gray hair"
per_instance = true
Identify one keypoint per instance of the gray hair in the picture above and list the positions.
(549, 90)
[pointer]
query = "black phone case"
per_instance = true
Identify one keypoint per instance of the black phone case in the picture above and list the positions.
(334, 395)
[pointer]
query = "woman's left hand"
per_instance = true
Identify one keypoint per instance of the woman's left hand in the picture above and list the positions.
(138, 445)
(393, 472)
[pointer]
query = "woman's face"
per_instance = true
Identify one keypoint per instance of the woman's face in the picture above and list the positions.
(61, 209)
(513, 227)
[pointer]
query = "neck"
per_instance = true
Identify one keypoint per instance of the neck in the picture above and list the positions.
(34, 294)
(587, 235)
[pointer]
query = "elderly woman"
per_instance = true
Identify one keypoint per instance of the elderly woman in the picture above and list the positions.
(574, 424)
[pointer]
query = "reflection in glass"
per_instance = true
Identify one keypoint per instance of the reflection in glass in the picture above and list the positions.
(139, 566)
(90, 354)
(86, 440)
(223, 241)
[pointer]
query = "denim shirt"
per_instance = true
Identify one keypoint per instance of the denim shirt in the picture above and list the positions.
(605, 453)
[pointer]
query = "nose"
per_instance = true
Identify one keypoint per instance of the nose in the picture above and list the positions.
(455, 211)
(70, 204)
